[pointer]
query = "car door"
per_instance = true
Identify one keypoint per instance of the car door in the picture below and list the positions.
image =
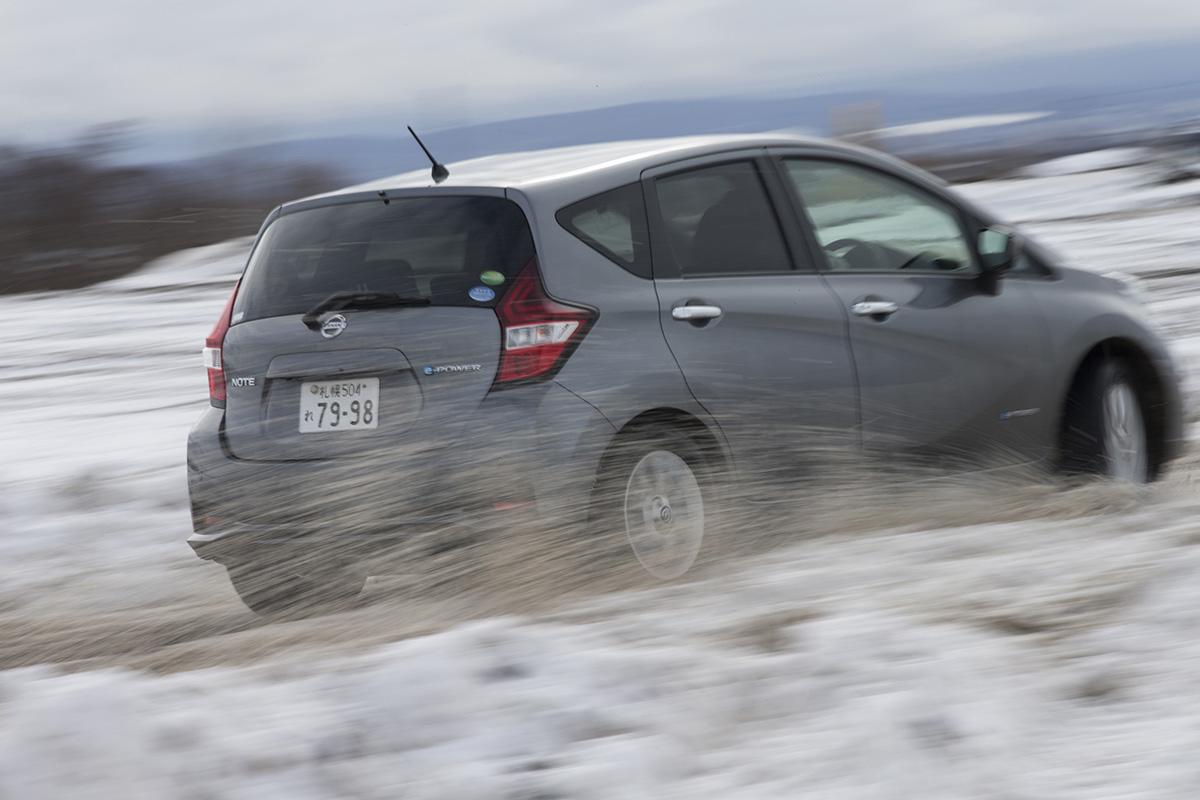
(759, 337)
(946, 359)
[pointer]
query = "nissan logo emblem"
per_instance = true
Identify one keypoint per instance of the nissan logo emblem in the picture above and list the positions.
(333, 326)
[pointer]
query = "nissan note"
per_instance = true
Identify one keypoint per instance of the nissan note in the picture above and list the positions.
(605, 336)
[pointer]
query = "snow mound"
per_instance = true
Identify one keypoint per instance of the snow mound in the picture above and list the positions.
(219, 264)
(1094, 161)
(952, 124)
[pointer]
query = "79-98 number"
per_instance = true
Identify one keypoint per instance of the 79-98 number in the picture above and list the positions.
(357, 413)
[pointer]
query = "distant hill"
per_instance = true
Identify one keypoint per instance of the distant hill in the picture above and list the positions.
(1090, 96)
(365, 157)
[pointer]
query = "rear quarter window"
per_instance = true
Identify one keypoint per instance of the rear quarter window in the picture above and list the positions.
(612, 223)
(439, 248)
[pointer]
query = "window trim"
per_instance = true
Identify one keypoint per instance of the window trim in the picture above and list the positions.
(664, 265)
(804, 221)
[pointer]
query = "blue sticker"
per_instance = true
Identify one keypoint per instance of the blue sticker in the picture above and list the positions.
(428, 370)
(481, 294)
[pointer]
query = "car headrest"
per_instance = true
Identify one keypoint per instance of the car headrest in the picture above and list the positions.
(451, 287)
(722, 233)
(388, 275)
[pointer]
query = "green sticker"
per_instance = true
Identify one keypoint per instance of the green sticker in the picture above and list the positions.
(492, 277)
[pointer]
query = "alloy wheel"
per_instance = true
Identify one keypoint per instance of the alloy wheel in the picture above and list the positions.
(664, 514)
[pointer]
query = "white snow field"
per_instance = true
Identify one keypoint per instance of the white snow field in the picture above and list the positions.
(985, 639)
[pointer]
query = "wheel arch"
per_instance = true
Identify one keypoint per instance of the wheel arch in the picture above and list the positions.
(709, 441)
(1149, 385)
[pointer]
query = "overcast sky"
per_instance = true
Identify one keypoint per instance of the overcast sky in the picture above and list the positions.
(65, 64)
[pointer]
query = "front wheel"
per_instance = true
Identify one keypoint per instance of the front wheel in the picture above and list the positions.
(1106, 427)
(652, 494)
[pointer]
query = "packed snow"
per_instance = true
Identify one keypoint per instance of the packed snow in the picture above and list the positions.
(983, 640)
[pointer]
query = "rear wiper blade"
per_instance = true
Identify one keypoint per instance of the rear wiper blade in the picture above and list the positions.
(339, 301)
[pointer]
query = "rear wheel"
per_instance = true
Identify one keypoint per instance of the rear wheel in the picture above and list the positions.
(651, 496)
(1106, 427)
(276, 591)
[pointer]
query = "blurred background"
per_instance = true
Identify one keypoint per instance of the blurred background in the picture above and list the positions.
(994, 641)
(141, 130)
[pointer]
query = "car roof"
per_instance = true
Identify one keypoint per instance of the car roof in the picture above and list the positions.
(615, 162)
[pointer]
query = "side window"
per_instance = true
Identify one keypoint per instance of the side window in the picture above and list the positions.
(719, 220)
(613, 224)
(871, 222)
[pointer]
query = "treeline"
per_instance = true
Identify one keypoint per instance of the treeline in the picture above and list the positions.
(72, 216)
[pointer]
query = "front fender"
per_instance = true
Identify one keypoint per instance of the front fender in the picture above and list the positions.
(1086, 316)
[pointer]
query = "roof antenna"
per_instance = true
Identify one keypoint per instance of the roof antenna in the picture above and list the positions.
(439, 172)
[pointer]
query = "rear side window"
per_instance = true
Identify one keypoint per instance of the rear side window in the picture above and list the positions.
(614, 224)
(719, 220)
(451, 250)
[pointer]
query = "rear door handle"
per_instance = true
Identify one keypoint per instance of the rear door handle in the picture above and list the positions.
(693, 313)
(874, 308)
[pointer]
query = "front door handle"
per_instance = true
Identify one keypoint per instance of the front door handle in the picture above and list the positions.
(694, 313)
(874, 308)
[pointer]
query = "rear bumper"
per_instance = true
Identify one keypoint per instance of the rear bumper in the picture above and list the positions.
(524, 456)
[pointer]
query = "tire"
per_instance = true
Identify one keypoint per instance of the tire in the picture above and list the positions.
(274, 591)
(1105, 428)
(650, 500)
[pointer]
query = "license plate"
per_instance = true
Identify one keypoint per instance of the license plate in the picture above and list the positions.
(327, 406)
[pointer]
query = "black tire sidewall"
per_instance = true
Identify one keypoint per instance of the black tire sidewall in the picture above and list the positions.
(1085, 448)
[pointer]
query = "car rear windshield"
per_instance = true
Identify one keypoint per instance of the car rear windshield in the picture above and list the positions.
(452, 251)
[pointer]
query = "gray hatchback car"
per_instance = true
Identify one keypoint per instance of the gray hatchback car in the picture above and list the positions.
(603, 336)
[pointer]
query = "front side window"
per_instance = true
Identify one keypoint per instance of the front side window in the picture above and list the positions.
(719, 220)
(868, 221)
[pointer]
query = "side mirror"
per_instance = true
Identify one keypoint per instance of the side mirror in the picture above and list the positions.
(999, 248)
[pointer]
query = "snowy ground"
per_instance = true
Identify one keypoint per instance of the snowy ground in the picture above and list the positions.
(993, 641)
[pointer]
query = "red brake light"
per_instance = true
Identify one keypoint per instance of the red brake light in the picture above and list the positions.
(538, 333)
(212, 353)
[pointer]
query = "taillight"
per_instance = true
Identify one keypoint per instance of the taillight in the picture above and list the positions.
(213, 346)
(539, 333)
